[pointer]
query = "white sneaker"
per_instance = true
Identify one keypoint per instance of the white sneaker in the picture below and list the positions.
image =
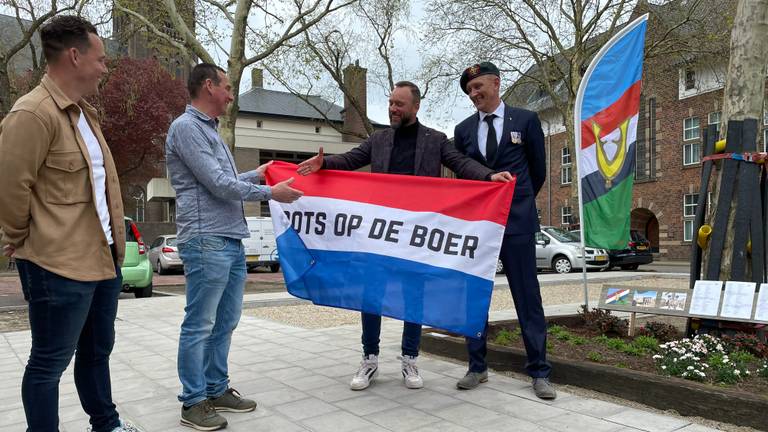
(367, 372)
(125, 426)
(411, 375)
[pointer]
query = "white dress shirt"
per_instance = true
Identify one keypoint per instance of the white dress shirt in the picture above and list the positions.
(498, 125)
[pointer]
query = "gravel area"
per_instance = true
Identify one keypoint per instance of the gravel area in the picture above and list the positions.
(312, 317)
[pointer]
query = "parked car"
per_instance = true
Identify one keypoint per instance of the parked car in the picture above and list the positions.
(164, 255)
(261, 247)
(560, 250)
(637, 252)
(136, 269)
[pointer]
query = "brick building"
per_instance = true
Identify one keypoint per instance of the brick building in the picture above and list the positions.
(678, 100)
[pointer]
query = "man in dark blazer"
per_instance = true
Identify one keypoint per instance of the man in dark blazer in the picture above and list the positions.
(504, 138)
(407, 148)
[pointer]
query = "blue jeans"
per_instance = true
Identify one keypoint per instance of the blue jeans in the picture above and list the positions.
(215, 271)
(372, 331)
(68, 317)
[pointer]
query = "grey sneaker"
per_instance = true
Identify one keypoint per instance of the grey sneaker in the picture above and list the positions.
(472, 380)
(543, 388)
(202, 416)
(232, 401)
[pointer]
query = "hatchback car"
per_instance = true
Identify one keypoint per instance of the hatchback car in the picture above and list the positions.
(560, 250)
(137, 272)
(164, 255)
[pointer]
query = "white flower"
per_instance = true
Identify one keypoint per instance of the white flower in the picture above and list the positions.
(663, 367)
(656, 357)
(690, 368)
(737, 372)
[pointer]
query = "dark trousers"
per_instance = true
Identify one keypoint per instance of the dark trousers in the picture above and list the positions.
(68, 317)
(518, 254)
(372, 331)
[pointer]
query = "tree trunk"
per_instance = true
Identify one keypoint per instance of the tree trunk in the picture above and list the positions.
(6, 91)
(743, 99)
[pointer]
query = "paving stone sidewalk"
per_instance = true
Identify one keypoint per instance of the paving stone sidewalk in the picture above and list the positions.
(300, 379)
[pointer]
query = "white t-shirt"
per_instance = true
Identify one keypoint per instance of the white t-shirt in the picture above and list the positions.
(99, 175)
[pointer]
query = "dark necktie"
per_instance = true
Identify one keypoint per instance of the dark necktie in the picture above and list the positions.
(490, 142)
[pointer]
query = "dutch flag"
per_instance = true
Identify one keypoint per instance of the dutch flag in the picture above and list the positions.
(418, 249)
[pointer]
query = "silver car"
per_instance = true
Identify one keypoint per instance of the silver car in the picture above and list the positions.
(560, 250)
(164, 255)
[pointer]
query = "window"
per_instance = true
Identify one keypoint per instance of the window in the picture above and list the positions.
(765, 113)
(690, 79)
(689, 204)
(765, 139)
(689, 212)
(714, 119)
(538, 214)
(170, 211)
(565, 215)
(691, 128)
(259, 124)
(317, 129)
(565, 169)
(691, 154)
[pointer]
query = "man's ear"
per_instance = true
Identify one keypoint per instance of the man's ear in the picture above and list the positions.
(72, 56)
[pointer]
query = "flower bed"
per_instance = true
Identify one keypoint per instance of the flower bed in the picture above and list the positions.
(720, 379)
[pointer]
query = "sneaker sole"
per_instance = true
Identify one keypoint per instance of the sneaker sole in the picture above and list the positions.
(370, 381)
(414, 387)
(234, 410)
(188, 423)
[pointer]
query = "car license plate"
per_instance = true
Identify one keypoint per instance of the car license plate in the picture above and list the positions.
(252, 258)
(642, 247)
(601, 258)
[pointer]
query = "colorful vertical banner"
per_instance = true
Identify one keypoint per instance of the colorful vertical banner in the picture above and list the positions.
(605, 120)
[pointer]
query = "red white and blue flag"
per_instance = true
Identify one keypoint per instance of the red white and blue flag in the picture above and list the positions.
(418, 249)
(605, 119)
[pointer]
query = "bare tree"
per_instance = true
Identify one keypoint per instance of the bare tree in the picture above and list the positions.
(365, 33)
(29, 17)
(255, 29)
(546, 45)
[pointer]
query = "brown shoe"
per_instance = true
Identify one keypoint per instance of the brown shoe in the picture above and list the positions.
(202, 416)
(232, 401)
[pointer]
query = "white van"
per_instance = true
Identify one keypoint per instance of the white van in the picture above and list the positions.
(260, 247)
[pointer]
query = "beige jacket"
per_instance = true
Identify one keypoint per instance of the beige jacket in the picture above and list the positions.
(47, 206)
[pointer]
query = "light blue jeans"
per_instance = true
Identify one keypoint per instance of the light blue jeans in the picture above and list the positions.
(215, 271)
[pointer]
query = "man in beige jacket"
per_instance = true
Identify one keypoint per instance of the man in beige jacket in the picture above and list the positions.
(62, 219)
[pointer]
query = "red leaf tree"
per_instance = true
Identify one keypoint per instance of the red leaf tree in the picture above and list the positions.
(137, 102)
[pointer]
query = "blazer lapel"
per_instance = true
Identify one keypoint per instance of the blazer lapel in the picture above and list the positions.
(507, 128)
(474, 125)
(387, 150)
(421, 143)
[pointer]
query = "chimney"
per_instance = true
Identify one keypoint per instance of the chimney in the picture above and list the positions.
(355, 82)
(257, 78)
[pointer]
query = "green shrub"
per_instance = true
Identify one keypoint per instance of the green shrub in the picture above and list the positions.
(595, 356)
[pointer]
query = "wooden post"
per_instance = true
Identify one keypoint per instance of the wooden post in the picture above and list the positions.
(632, 320)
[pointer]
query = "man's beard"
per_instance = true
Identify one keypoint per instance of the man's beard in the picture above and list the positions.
(404, 120)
